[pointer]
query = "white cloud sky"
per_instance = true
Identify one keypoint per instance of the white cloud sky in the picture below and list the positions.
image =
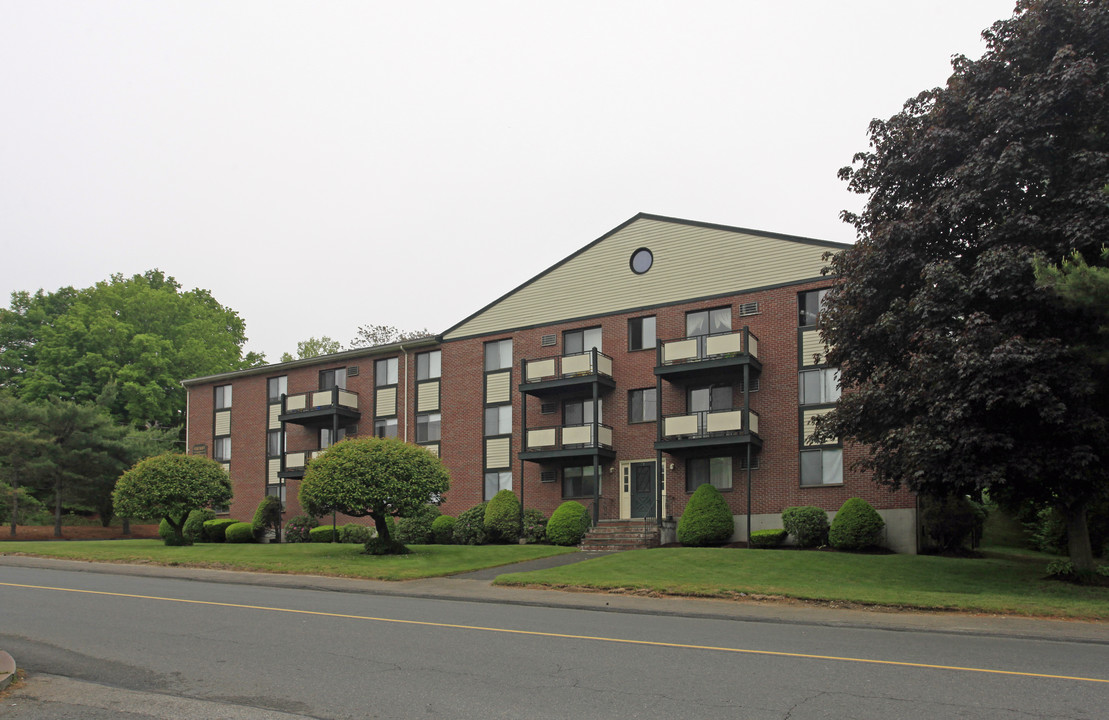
(324, 165)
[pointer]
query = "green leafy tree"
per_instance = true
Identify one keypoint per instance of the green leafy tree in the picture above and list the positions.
(170, 487)
(960, 371)
(24, 453)
(126, 342)
(372, 335)
(313, 347)
(376, 477)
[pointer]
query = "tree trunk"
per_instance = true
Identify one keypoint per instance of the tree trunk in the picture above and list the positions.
(1078, 538)
(126, 526)
(381, 522)
(58, 508)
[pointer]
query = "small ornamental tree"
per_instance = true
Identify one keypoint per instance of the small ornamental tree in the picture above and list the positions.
(268, 516)
(171, 486)
(375, 477)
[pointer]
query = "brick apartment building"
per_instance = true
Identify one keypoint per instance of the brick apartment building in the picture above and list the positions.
(664, 355)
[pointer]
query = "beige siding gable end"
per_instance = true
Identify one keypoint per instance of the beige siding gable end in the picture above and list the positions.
(689, 261)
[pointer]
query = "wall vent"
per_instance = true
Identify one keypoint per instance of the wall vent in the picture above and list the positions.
(749, 309)
(548, 476)
(548, 408)
(549, 340)
(352, 371)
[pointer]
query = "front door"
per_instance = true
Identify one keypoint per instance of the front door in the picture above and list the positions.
(643, 490)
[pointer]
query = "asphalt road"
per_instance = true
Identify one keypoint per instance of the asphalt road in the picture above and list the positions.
(125, 646)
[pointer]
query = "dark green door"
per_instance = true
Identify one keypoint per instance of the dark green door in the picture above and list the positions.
(643, 490)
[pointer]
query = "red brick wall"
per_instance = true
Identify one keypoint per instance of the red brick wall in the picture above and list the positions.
(775, 484)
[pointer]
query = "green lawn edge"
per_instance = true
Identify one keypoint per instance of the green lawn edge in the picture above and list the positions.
(325, 559)
(1002, 581)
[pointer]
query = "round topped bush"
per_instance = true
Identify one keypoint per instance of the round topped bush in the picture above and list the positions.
(568, 524)
(469, 529)
(443, 529)
(502, 518)
(857, 525)
(706, 520)
(808, 525)
(240, 532)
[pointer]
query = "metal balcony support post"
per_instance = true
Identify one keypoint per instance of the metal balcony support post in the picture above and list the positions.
(596, 446)
(659, 470)
(523, 437)
(747, 427)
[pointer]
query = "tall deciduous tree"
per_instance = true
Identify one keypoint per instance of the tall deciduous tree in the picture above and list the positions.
(372, 335)
(126, 342)
(961, 368)
(375, 477)
(313, 347)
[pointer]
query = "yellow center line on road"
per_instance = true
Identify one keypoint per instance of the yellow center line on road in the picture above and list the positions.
(536, 633)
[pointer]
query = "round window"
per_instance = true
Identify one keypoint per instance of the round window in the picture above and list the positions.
(641, 261)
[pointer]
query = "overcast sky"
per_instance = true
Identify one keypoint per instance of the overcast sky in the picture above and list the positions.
(323, 165)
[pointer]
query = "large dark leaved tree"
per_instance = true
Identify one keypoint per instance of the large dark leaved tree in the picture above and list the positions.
(962, 371)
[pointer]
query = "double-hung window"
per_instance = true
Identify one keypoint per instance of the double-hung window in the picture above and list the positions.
(822, 467)
(498, 355)
(275, 388)
(497, 480)
(385, 427)
(577, 481)
(498, 420)
(428, 427)
(385, 372)
(327, 438)
(223, 397)
(579, 341)
(818, 386)
(580, 412)
(717, 471)
(641, 333)
(336, 378)
(429, 365)
(808, 305)
(643, 405)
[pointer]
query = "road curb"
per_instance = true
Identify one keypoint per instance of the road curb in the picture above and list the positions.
(7, 670)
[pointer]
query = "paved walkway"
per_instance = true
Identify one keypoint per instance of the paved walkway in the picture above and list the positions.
(477, 587)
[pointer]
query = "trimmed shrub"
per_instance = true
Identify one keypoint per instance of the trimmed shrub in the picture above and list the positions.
(166, 533)
(767, 538)
(469, 529)
(535, 526)
(502, 518)
(194, 526)
(808, 525)
(216, 528)
(267, 516)
(443, 529)
(359, 534)
(416, 528)
(240, 532)
(298, 528)
(568, 523)
(951, 522)
(706, 520)
(857, 525)
(323, 534)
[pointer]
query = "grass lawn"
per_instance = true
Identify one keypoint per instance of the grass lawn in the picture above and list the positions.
(1004, 581)
(339, 560)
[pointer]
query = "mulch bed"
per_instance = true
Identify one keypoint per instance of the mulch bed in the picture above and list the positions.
(89, 532)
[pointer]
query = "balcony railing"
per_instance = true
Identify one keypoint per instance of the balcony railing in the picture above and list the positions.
(709, 347)
(708, 423)
(321, 400)
(560, 367)
(299, 460)
(569, 437)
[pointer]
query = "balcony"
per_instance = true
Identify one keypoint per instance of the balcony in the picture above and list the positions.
(319, 407)
(709, 430)
(295, 462)
(569, 441)
(567, 374)
(707, 356)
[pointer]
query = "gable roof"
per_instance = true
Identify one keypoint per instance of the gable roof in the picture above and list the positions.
(691, 260)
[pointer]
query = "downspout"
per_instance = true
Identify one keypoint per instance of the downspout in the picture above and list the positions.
(404, 398)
